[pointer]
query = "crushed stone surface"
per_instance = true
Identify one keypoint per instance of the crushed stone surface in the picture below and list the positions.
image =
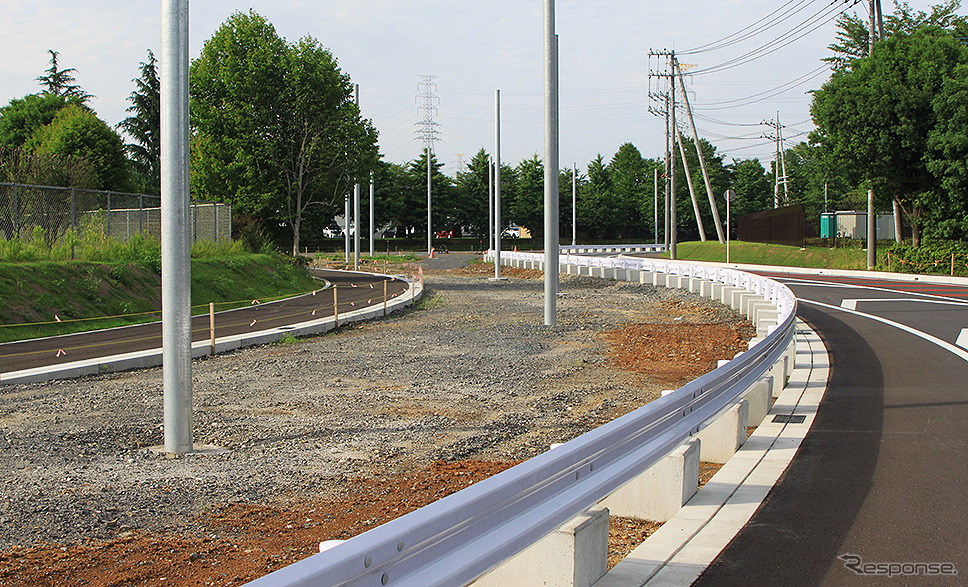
(334, 434)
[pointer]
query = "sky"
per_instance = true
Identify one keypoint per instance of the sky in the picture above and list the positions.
(475, 48)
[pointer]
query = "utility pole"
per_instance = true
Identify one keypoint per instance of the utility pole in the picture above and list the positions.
(550, 166)
(490, 203)
(428, 133)
(356, 206)
(780, 164)
(655, 205)
(372, 231)
(497, 184)
(671, 141)
(574, 202)
(673, 224)
(176, 315)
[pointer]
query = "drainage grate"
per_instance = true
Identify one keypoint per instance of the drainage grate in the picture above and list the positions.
(788, 419)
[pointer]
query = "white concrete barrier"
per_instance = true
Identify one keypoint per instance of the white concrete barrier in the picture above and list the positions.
(659, 492)
(722, 438)
(574, 555)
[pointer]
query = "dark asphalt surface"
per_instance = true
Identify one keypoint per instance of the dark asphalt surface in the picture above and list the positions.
(880, 477)
(354, 291)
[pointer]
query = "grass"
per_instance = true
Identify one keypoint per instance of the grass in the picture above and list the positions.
(768, 254)
(86, 295)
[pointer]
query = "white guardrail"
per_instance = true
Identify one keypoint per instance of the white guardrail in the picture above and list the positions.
(457, 539)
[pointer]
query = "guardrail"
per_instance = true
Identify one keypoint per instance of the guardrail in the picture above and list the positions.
(579, 249)
(459, 538)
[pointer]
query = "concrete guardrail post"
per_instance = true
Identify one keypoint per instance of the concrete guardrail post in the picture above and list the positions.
(662, 489)
(574, 555)
(722, 438)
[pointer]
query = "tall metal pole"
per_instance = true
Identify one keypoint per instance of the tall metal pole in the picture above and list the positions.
(346, 228)
(429, 229)
(673, 237)
(574, 202)
(871, 231)
(372, 230)
(655, 205)
(551, 166)
(668, 175)
(490, 203)
(786, 183)
(176, 302)
(356, 206)
(497, 184)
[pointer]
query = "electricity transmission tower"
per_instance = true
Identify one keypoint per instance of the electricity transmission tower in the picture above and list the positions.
(428, 133)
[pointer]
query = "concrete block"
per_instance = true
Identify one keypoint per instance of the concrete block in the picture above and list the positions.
(726, 295)
(722, 438)
(738, 298)
(759, 395)
(765, 312)
(659, 492)
(659, 279)
(647, 277)
(574, 555)
(750, 303)
(684, 282)
(717, 291)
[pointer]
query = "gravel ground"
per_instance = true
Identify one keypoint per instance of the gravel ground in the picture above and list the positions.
(471, 374)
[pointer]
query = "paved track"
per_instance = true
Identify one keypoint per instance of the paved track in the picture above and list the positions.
(354, 291)
(880, 477)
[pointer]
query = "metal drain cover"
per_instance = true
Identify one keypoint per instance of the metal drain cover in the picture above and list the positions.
(788, 419)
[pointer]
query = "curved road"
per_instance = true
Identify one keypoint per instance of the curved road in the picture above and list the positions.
(877, 491)
(354, 291)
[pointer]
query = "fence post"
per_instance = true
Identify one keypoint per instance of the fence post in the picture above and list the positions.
(215, 221)
(211, 324)
(384, 298)
(107, 223)
(952, 264)
(141, 214)
(16, 205)
(335, 308)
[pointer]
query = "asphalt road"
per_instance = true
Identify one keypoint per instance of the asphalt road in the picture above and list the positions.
(354, 291)
(879, 481)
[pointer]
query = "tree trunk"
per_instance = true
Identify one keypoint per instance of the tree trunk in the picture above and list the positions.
(295, 236)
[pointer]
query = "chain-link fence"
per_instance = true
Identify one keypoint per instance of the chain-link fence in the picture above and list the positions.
(27, 209)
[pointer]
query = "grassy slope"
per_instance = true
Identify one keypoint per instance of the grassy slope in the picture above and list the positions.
(36, 292)
(763, 254)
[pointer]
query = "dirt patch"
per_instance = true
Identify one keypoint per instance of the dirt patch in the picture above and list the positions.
(673, 354)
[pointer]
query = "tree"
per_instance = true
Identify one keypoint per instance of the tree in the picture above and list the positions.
(876, 116)
(22, 117)
(276, 130)
(754, 190)
(594, 202)
(853, 34)
(77, 132)
(526, 209)
(631, 191)
(472, 193)
(947, 156)
(144, 125)
(60, 82)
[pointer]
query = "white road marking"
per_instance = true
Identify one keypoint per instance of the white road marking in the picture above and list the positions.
(851, 303)
(963, 338)
(960, 352)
